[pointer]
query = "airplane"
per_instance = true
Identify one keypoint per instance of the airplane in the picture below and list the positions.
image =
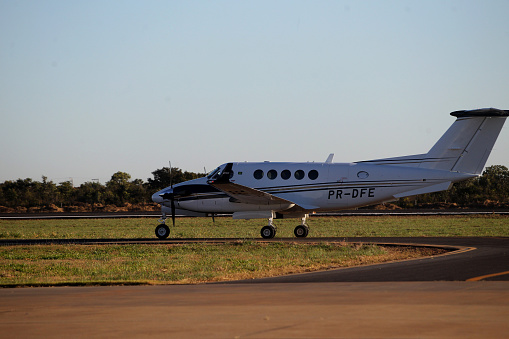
(273, 190)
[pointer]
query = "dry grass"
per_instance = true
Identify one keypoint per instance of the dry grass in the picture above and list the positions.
(182, 264)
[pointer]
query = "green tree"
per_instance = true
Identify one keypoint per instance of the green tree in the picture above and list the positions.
(90, 193)
(138, 192)
(494, 183)
(66, 193)
(119, 186)
(165, 176)
(19, 193)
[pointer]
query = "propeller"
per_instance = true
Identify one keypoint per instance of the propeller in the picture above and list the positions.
(171, 196)
(172, 201)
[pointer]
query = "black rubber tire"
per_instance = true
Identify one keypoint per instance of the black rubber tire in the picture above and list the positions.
(162, 231)
(268, 232)
(301, 231)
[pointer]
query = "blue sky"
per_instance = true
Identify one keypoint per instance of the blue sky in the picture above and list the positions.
(89, 88)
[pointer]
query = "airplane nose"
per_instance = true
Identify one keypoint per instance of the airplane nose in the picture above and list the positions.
(157, 198)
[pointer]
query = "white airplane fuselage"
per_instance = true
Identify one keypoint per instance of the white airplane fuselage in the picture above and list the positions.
(337, 186)
(271, 190)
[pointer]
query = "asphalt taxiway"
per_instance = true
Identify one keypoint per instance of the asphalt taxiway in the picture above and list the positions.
(472, 259)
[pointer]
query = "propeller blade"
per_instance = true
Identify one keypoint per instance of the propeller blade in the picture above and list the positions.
(173, 209)
(171, 175)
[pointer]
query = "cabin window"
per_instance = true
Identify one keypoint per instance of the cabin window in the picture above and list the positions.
(286, 174)
(299, 174)
(272, 174)
(313, 174)
(258, 174)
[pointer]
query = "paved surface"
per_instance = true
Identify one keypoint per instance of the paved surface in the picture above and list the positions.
(476, 259)
(394, 300)
(300, 310)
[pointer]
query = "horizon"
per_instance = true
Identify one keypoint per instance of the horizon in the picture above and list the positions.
(91, 88)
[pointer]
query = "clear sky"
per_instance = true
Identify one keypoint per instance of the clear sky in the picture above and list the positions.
(89, 88)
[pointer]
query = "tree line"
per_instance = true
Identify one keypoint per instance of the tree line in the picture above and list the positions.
(120, 191)
(490, 190)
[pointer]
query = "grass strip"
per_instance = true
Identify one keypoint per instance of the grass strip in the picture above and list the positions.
(56, 265)
(368, 226)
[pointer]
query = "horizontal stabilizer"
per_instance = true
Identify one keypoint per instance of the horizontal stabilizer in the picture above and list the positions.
(429, 189)
(483, 112)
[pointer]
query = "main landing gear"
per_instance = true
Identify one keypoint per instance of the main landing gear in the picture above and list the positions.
(301, 231)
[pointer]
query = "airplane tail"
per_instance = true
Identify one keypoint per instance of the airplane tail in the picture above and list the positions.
(467, 144)
(464, 148)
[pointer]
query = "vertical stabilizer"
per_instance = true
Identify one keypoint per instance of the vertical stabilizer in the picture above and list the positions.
(466, 145)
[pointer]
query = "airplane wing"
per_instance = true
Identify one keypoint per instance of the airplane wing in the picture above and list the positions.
(243, 193)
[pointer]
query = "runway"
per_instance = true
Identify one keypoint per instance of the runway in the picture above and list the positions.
(406, 299)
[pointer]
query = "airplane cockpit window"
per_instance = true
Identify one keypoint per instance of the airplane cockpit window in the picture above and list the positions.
(217, 174)
(286, 174)
(299, 174)
(272, 174)
(313, 174)
(258, 174)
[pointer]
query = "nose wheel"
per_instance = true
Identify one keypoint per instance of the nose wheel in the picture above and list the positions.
(162, 231)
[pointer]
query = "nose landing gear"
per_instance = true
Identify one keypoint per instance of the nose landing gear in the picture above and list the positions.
(162, 230)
